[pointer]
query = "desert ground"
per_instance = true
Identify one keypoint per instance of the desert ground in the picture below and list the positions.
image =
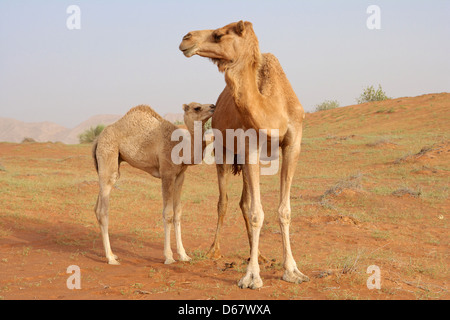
(371, 189)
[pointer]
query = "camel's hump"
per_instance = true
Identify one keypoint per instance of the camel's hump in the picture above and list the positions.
(146, 109)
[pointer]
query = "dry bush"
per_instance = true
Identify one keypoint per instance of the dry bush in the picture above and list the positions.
(407, 191)
(28, 140)
(380, 142)
(437, 148)
(351, 183)
(340, 138)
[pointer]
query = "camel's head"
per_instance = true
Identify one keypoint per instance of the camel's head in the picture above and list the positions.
(197, 112)
(224, 46)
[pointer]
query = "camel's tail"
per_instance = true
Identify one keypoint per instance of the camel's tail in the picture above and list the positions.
(94, 154)
(236, 169)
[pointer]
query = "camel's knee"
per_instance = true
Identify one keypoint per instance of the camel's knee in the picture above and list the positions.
(168, 216)
(177, 216)
(169, 220)
(284, 215)
(114, 177)
(257, 218)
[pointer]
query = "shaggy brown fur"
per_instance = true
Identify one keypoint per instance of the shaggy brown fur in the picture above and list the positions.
(258, 95)
(143, 139)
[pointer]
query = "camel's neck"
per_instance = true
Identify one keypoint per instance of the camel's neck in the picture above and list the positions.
(242, 76)
(197, 131)
(195, 128)
(243, 80)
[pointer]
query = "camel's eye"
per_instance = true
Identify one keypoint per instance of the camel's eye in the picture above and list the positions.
(217, 37)
(198, 109)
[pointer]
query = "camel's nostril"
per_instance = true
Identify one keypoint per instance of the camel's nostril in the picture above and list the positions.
(187, 37)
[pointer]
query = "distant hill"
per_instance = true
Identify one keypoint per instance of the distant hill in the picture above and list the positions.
(428, 111)
(174, 117)
(12, 130)
(72, 135)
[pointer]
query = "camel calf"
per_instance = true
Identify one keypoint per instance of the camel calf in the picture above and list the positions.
(143, 139)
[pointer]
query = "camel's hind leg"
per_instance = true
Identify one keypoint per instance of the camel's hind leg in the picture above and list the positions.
(108, 175)
(223, 171)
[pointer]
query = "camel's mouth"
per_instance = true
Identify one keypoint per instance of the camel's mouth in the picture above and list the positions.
(189, 52)
(212, 108)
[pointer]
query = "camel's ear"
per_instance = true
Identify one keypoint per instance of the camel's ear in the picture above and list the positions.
(185, 107)
(240, 28)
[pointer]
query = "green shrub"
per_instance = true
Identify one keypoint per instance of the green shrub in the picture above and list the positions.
(327, 105)
(207, 125)
(370, 94)
(91, 134)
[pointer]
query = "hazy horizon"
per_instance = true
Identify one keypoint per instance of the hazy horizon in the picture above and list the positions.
(126, 53)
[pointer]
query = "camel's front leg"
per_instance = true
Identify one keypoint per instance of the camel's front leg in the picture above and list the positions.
(177, 223)
(245, 204)
(252, 279)
(290, 158)
(168, 184)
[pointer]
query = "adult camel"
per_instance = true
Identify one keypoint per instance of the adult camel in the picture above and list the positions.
(258, 96)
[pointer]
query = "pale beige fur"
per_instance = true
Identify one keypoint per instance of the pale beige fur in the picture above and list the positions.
(258, 95)
(143, 139)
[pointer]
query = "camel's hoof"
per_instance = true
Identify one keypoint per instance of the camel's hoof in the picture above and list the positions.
(114, 262)
(214, 254)
(185, 258)
(250, 281)
(294, 276)
(169, 261)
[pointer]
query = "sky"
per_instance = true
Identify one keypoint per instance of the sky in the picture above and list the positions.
(125, 53)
